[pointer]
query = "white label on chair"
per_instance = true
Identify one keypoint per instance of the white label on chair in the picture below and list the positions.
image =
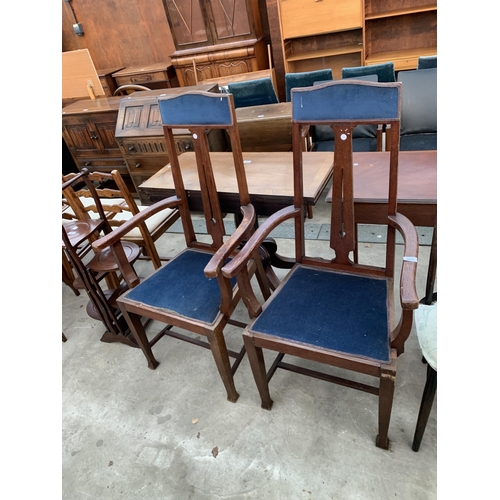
(247, 161)
(260, 116)
(163, 95)
(195, 136)
(343, 137)
(410, 259)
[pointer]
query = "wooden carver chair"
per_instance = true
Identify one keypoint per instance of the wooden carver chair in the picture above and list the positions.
(94, 269)
(179, 294)
(119, 206)
(333, 310)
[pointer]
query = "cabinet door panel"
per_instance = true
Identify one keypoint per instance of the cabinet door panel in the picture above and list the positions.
(104, 128)
(186, 21)
(230, 17)
(78, 138)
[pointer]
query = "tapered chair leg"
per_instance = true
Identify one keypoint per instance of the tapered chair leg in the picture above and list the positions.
(386, 396)
(425, 407)
(256, 360)
(139, 333)
(221, 357)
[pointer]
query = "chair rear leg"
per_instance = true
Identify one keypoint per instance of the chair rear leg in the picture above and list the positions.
(386, 396)
(137, 329)
(221, 357)
(425, 407)
(257, 364)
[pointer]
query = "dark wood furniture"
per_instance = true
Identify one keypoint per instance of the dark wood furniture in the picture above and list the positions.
(215, 39)
(88, 128)
(101, 267)
(329, 309)
(107, 80)
(267, 127)
(119, 206)
(140, 137)
(179, 294)
(154, 76)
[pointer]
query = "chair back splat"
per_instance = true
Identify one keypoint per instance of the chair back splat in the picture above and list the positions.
(182, 294)
(337, 311)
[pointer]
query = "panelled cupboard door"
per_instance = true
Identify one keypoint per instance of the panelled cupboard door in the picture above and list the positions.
(313, 17)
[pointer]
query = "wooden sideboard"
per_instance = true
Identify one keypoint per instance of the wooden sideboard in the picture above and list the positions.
(124, 133)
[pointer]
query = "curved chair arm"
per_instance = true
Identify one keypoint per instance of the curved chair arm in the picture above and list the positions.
(133, 222)
(239, 262)
(212, 269)
(123, 89)
(408, 290)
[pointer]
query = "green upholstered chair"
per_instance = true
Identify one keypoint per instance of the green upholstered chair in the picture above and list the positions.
(253, 92)
(179, 294)
(426, 326)
(427, 62)
(335, 311)
(384, 71)
(418, 110)
(306, 79)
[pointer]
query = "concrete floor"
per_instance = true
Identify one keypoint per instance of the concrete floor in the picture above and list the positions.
(133, 433)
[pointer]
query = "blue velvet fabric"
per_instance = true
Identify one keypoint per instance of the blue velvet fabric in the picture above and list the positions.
(335, 311)
(306, 79)
(427, 62)
(345, 100)
(195, 109)
(384, 71)
(181, 287)
(253, 92)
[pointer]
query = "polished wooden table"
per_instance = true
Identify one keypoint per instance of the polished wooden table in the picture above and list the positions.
(417, 187)
(269, 177)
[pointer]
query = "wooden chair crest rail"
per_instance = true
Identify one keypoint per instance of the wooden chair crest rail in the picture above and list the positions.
(93, 269)
(179, 294)
(119, 206)
(333, 310)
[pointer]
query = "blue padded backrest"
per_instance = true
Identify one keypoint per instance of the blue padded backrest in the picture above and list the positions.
(419, 102)
(427, 62)
(384, 71)
(346, 100)
(253, 92)
(306, 79)
(325, 132)
(195, 108)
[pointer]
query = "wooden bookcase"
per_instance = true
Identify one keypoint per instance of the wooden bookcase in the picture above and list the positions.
(399, 31)
(317, 34)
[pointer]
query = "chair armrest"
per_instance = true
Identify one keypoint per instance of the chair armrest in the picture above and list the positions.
(408, 290)
(213, 268)
(133, 222)
(236, 265)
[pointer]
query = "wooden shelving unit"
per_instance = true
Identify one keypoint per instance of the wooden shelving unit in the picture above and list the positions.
(342, 33)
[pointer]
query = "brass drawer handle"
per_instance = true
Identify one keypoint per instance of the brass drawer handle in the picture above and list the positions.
(137, 165)
(141, 78)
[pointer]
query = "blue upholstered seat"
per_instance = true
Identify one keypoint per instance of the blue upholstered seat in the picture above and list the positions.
(327, 317)
(384, 71)
(253, 92)
(181, 287)
(306, 79)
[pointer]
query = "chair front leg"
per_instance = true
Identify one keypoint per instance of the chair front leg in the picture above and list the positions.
(257, 364)
(221, 357)
(137, 328)
(425, 407)
(385, 399)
